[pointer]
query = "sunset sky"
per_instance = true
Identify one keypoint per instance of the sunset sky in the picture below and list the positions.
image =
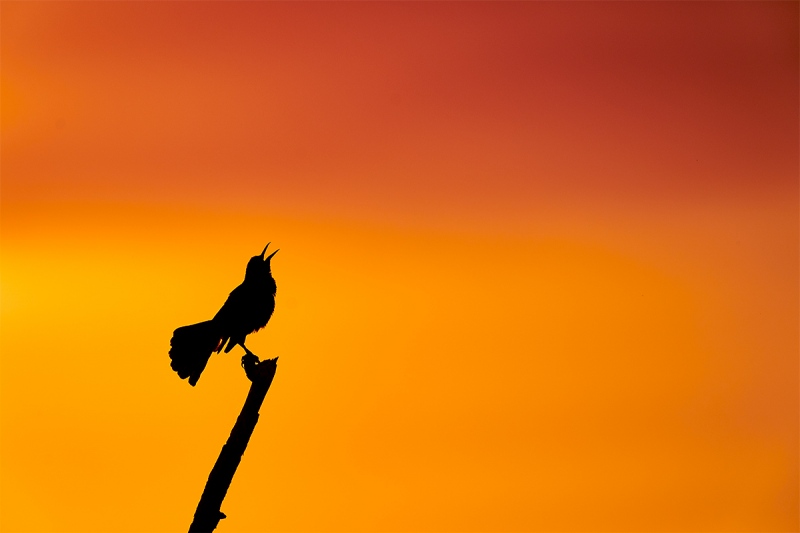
(538, 267)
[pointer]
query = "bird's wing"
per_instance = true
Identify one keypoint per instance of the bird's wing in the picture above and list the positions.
(230, 312)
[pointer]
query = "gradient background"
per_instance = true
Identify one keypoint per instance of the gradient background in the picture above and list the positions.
(538, 268)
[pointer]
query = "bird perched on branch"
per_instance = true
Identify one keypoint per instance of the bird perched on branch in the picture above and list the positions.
(247, 309)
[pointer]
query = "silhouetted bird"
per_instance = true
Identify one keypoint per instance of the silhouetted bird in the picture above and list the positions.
(247, 309)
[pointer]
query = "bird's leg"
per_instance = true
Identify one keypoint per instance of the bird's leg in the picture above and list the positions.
(248, 355)
(249, 363)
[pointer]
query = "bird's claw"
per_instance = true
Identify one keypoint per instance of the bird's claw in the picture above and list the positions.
(255, 368)
(249, 362)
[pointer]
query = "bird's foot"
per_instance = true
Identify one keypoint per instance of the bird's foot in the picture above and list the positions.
(257, 370)
(250, 362)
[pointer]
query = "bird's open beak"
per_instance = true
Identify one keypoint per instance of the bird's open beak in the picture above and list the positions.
(273, 253)
(265, 250)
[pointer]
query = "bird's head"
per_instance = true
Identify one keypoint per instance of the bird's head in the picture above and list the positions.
(259, 265)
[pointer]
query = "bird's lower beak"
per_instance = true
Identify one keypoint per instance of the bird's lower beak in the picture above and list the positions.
(273, 253)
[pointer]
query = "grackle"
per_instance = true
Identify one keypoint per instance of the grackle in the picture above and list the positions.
(247, 309)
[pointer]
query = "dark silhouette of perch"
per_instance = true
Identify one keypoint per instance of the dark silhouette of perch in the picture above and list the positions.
(208, 513)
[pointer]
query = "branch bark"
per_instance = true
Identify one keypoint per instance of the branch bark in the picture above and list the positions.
(208, 513)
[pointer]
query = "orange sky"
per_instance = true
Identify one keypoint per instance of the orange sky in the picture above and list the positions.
(538, 269)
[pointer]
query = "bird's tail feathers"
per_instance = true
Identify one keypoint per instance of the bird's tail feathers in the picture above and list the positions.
(191, 347)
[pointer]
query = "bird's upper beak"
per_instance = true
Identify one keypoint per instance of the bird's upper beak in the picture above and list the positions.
(273, 253)
(265, 250)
